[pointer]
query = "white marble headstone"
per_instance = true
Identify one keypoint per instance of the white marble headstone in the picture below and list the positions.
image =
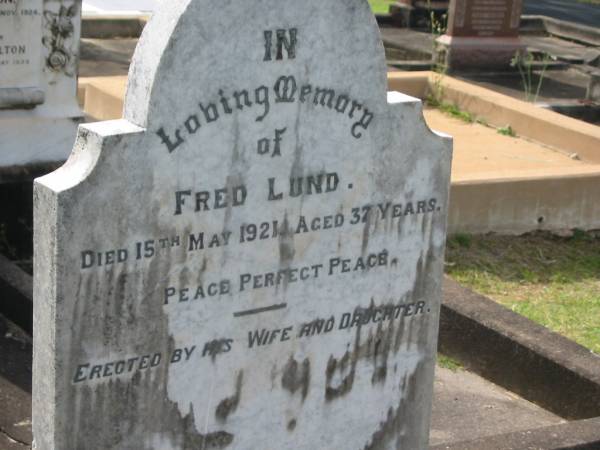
(39, 56)
(20, 52)
(252, 258)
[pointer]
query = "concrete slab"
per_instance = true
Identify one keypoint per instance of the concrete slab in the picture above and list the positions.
(417, 44)
(480, 152)
(560, 48)
(106, 57)
(466, 405)
(558, 86)
(579, 12)
(580, 435)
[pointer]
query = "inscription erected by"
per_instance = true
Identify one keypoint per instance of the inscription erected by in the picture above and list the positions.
(252, 257)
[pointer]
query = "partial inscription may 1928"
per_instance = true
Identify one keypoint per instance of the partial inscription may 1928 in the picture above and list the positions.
(252, 257)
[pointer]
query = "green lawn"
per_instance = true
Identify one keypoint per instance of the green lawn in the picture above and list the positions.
(551, 280)
(380, 6)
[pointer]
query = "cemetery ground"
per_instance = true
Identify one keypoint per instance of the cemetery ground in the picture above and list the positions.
(550, 279)
(502, 381)
(380, 6)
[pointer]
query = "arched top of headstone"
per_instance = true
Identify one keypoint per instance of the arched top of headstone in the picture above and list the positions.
(199, 50)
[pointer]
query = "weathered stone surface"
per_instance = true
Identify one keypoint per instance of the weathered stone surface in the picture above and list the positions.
(187, 295)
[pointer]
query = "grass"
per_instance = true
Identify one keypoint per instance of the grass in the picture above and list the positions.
(448, 363)
(552, 280)
(507, 131)
(451, 110)
(380, 6)
(454, 111)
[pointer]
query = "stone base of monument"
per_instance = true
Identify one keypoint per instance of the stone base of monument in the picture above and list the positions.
(477, 53)
(39, 113)
(29, 142)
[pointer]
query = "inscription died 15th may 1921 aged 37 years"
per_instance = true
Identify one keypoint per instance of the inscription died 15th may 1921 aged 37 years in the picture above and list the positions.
(252, 257)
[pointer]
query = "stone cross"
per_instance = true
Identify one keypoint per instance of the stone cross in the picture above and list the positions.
(252, 257)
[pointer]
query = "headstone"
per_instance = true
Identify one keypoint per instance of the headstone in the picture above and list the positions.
(481, 34)
(251, 258)
(39, 48)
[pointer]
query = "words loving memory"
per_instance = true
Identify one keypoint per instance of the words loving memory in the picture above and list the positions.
(285, 90)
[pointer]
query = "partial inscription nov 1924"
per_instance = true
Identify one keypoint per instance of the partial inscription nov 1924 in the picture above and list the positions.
(252, 257)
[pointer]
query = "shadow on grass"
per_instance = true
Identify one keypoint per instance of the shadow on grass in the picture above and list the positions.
(552, 280)
(536, 258)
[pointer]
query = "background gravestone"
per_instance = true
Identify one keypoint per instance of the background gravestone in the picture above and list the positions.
(39, 52)
(481, 34)
(21, 53)
(251, 258)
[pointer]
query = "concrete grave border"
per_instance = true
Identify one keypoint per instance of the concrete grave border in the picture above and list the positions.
(109, 27)
(540, 125)
(580, 435)
(511, 350)
(523, 202)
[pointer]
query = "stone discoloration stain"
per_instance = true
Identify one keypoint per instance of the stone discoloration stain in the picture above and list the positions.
(286, 248)
(291, 426)
(296, 376)
(229, 405)
(121, 402)
(395, 430)
(377, 347)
